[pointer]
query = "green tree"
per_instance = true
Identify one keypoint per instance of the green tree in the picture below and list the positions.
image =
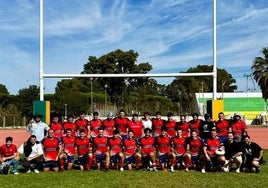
(3, 89)
(260, 72)
(116, 62)
(25, 99)
(182, 90)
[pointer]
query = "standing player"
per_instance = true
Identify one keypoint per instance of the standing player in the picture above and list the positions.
(136, 126)
(37, 127)
(170, 125)
(100, 148)
(9, 156)
(206, 127)
(84, 149)
(211, 158)
(121, 124)
(95, 124)
(238, 128)
(70, 125)
(195, 123)
(109, 125)
(147, 149)
(68, 145)
(52, 148)
(157, 124)
(82, 123)
(115, 147)
(130, 147)
(195, 148)
(163, 147)
(222, 127)
(180, 146)
(184, 126)
(56, 126)
(146, 121)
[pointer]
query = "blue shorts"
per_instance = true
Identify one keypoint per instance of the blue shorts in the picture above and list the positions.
(70, 159)
(130, 159)
(223, 138)
(194, 159)
(100, 157)
(163, 158)
(51, 164)
(179, 159)
(82, 160)
(114, 158)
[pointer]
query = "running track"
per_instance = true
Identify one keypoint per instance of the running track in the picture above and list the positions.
(257, 134)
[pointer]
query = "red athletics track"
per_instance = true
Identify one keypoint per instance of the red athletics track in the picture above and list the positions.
(257, 134)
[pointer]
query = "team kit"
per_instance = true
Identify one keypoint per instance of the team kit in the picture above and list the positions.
(120, 143)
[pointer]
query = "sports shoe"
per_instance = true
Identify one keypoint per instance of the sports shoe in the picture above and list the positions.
(15, 173)
(5, 170)
(121, 169)
(36, 171)
(203, 170)
(154, 169)
(237, 170)
(172, 169)
(28, 171)
(186, 169)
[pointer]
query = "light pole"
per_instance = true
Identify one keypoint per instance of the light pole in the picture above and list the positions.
(91, 95)
(65, 111)
(223, 82)
(203, 97)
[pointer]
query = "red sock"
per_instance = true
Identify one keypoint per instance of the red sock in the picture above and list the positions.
(89, 163)
(172, 162)
(138, 162)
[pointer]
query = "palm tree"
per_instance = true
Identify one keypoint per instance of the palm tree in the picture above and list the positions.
(260, 72)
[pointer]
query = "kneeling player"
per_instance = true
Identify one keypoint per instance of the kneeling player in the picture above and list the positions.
(67, 156)
(130, 150)
(100, 144)
(115, 146)
(147, 149)
(84, 151)
(163, 146)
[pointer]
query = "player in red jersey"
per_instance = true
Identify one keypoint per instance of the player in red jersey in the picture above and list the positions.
(170, 125)
(179, 146)
(56, 126)
(70, 125)
(238, 128)
(95, 124)
(163, 147)
(121, 124)
(195, 148)
(68, 148)
(9, 156)
(147, 150)
(195, 123)
(109, 125)
(116, 154)
(136, 126)
(157, 124)
(82, 123)
(130, 151)
(211, 158)
(184, 126)
(222, 127)
(84, 151)
(100, 148)
(52, 148)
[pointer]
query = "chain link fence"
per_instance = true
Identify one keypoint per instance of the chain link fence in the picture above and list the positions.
(12, 121)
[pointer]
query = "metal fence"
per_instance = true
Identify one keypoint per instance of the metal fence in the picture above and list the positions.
(12, 121)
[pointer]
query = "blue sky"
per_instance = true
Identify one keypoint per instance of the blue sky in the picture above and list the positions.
(172, 35)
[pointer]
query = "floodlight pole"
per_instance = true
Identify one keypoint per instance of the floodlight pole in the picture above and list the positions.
(41, 70)
(214, 50)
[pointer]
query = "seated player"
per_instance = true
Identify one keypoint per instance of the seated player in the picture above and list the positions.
(68, 150)
(254, 155)
(163, 147)
(130, 151)
(147, 150)
(115, 147)
(85, 156)
(210, 157)
(52, 147)
(100, 148)
(179, 146)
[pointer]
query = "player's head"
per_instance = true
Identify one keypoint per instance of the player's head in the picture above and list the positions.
(9, 140)
(183, 118)
(70, 118)
(207, 117)
(100, 131)
(146, 115)
(116, 133)
(130, 133)
(68, 132)
(82, 133)
(158, 114)
(164, 131)
(169, 115)
(55, 118)
(122, 113)
(82, 114)
(135, 117)
(179, 133)
(50, 133)
(194, 134)
(213, 133)
(110, 115)
(221, 116)
(95, 115)
(147, 131)
(246, 139)
(230, 137)
(32, 139)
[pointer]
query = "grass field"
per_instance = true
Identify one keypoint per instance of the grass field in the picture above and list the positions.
(141, 179)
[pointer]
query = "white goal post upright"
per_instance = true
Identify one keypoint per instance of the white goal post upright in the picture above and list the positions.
(43, 75)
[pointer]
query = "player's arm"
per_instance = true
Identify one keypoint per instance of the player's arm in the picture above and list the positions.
(206, 152)
(260, 155)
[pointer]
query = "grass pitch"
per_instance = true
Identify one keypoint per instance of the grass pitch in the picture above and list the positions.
(140, 179)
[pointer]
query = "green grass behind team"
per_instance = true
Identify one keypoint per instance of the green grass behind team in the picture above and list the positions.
(141, 179)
